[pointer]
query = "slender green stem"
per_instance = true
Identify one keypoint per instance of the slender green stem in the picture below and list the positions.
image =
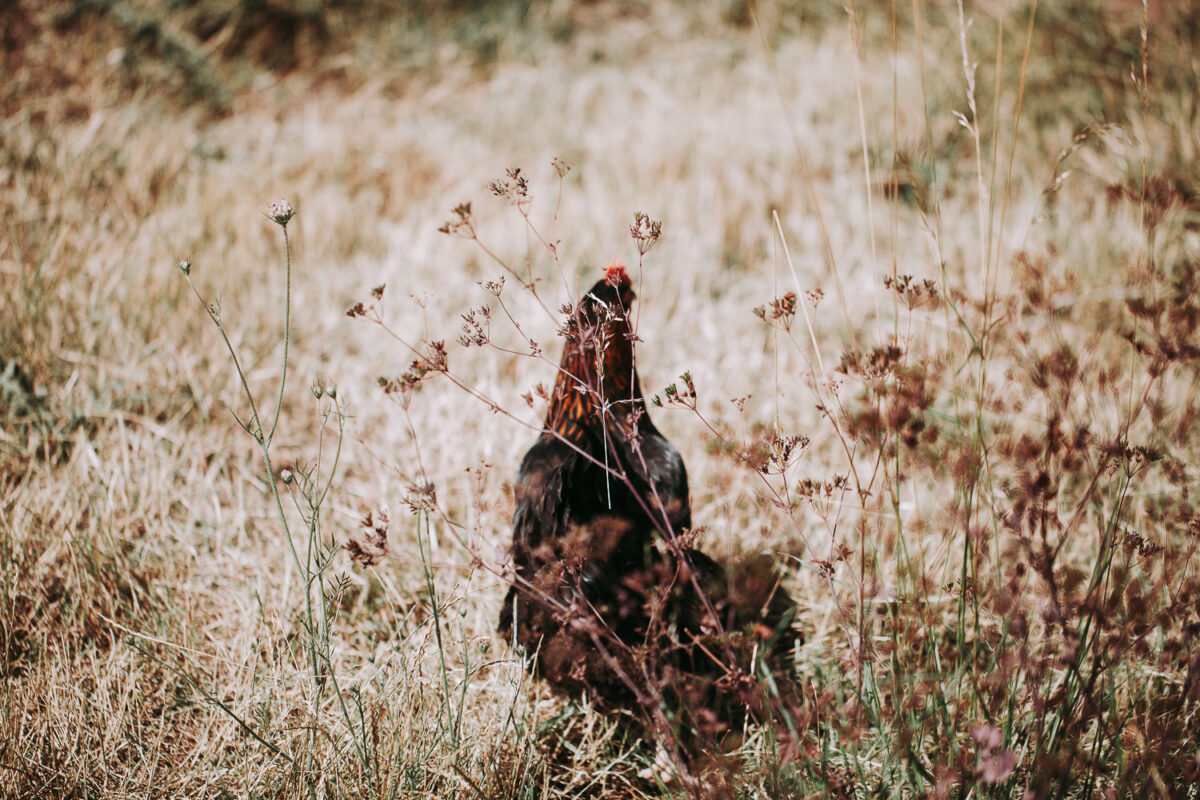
(287, 331)
(431, 588)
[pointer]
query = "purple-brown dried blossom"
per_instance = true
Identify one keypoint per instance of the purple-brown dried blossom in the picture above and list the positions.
(1139, 544)
(996, 763)
(374, 543)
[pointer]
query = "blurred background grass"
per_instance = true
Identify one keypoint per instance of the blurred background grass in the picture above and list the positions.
(144, 579)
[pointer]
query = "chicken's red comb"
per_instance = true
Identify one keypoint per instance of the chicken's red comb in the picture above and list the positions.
(615, 273)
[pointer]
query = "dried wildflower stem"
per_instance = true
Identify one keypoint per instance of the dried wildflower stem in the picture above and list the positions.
(861, 490)
(806, 173)
(816, 352)
(337, 453)
(895, 204)
(312, 567)
(213, 312)
(972, 126)
(1012, 147)
(653, 702)
(783, 499)
(800, 291)
(496, 407)
(515, 189)
(434, 604)
(855, 22)
(645, 233)
(465, 222)
(287, 327)
(935, 193)
(314, 499)
(1143, 87)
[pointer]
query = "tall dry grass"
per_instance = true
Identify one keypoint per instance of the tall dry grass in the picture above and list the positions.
(990, 532)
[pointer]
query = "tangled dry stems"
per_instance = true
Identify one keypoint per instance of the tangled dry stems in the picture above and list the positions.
(990, 524)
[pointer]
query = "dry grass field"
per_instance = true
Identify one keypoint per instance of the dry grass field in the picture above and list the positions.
(955, 247)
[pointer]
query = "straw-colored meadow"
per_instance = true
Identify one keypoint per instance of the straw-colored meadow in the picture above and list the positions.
(931, 272)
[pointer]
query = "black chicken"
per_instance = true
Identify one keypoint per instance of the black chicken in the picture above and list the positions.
(606, 593)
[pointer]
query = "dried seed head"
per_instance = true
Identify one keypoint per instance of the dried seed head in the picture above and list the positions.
(645, 231)
(281, 212)
(513, 187)
(185, 266)
(780, 309)
(476, 327)
(461, 224)
(493, 287)
(422, 496)
(374, 544)
(914, 292)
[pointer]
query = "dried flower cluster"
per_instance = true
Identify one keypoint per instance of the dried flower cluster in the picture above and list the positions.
(420, 370)
(493, 287)
(281, 212)
(476, 327)
(645, 232)
(912, 292)
(421, 497)
(461, 224)
(514, 188)
(361, 309)
(682, 393)
(781, 310)
(1042, 446)
(373, 546)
